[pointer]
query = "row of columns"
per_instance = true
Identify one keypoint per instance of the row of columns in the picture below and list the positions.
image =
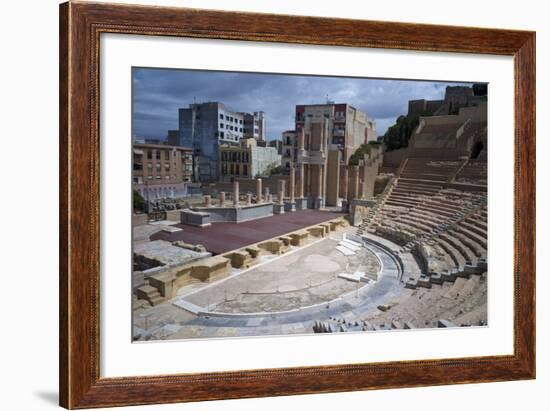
(353, 187)
(267, 197)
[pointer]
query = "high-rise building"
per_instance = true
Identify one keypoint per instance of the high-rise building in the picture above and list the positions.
(254, 125)
(204, 126)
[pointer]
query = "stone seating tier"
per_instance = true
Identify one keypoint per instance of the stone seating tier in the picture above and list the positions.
(472, 232)
(421, 186)
(466, 252)
(476, 248)
(455, 255)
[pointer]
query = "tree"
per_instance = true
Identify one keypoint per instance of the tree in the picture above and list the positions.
(398, 135)
(139, 203)
(361, 151)
(275, 170)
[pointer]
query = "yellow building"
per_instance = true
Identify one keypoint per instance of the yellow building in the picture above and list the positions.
(247, 160)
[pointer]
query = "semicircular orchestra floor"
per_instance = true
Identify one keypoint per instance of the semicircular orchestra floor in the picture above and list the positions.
(288, 294)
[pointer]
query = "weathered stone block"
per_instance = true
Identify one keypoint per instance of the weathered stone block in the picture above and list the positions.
(299, 238)
(197, 218)
(273, 246)
(286, 240)
(211, 268)
(253, 251)
(317, 231)
(240, 259)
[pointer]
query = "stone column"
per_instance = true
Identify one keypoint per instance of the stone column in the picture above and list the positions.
(301, 139)
(249, 199)
(235, 193)
(318, 200)
(345, 189)
(367, 166)
(301, 182)
(267, 196)
(207, 201)
(279, 206)
(258, 190)
(361, 193)
(355, 182)
(281, 191)
(222, 198)
(320, 182)
(292, 183)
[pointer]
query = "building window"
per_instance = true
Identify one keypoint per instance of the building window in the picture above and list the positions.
(167, 155)
(245, 170)
(149, 154)
(232, 169)
(221, 116)
(221, 125)
(221, 134)
(157, 156)
(241, 130)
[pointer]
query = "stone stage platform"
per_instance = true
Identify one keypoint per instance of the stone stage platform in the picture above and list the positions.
(222, 237)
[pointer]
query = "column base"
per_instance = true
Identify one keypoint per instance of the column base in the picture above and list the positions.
(278, 208)
(319, 203)
(301, 203)
(290, 206)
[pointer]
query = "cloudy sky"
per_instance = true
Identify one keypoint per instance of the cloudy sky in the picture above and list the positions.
(158, 93)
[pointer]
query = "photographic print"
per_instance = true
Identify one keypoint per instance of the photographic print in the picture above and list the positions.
(280, 204)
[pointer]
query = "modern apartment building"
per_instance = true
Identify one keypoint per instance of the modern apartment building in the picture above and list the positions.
(161, 171)
(206, 126)
(254, 125)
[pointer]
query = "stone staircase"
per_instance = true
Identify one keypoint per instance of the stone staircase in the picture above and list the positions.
(452, 178)
(366, 224)
(150, 294)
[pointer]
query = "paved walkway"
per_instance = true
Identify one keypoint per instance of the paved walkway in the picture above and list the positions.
(222, 237)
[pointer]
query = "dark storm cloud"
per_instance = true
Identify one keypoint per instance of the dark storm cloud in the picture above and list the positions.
(158, 93)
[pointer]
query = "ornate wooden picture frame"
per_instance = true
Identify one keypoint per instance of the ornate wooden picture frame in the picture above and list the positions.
(81, 25)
